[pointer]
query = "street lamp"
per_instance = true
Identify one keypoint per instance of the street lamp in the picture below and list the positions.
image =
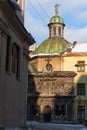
(77, 65)
(79, 100)
(80, 66)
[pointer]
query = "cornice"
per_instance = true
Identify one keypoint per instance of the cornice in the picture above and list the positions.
(14, 22)
(3, 26)
(55, 74)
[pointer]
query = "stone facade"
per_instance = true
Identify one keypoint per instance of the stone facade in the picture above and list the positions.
(14, 44)
(47, 91)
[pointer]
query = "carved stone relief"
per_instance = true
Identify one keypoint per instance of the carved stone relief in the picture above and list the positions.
(55, 85)
(50, 87)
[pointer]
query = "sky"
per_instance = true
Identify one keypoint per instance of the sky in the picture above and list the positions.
(74, 13)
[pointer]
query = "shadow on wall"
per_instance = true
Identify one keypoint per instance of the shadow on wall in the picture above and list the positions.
(33, 110)
(50, 94)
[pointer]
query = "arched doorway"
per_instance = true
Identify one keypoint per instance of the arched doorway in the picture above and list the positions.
(47, 114)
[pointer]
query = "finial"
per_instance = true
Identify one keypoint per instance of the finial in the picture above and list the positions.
(56, 9)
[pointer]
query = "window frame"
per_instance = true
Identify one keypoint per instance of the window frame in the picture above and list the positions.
(80, 89)
(54, 30)
(15, 66)
(59, 31)
(8, 47)
(81, 66)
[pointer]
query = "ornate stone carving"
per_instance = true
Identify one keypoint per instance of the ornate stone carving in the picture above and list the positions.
(59, 83)
(53, 88)
(64, 89)
(56, 86)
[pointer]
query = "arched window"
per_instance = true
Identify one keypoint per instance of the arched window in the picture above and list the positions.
(59, 31)
(50, 32)
(15, 59)
(54, 31)
(7, 66)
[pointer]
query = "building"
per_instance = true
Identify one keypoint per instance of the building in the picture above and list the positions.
(76, 60)
(57, 90)
(51, 85)
(14, 44)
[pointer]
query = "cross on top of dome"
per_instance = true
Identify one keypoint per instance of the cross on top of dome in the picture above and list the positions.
(56, 9)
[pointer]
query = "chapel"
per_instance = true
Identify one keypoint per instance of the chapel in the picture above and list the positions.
(51, 86)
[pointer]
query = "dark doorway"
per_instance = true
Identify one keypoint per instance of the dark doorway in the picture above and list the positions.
(60, 110)
(81, 113)
(47, 114)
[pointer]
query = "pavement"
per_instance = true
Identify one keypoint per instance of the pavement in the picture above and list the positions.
(48, 126)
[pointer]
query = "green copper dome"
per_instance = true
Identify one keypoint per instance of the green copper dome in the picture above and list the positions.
(53, 45)
(56, 19)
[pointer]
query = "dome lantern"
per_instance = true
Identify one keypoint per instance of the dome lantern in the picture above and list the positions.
(55, 44)
(56, 24)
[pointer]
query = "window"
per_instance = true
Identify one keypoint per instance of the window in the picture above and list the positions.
(50, 32)
(54, 31)
(7, 66)
(14, 57)
(59, 31)
(33, 109)
(15, 60)
(31, 88)
(18, 62)
(81, 66)
(80, 89)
